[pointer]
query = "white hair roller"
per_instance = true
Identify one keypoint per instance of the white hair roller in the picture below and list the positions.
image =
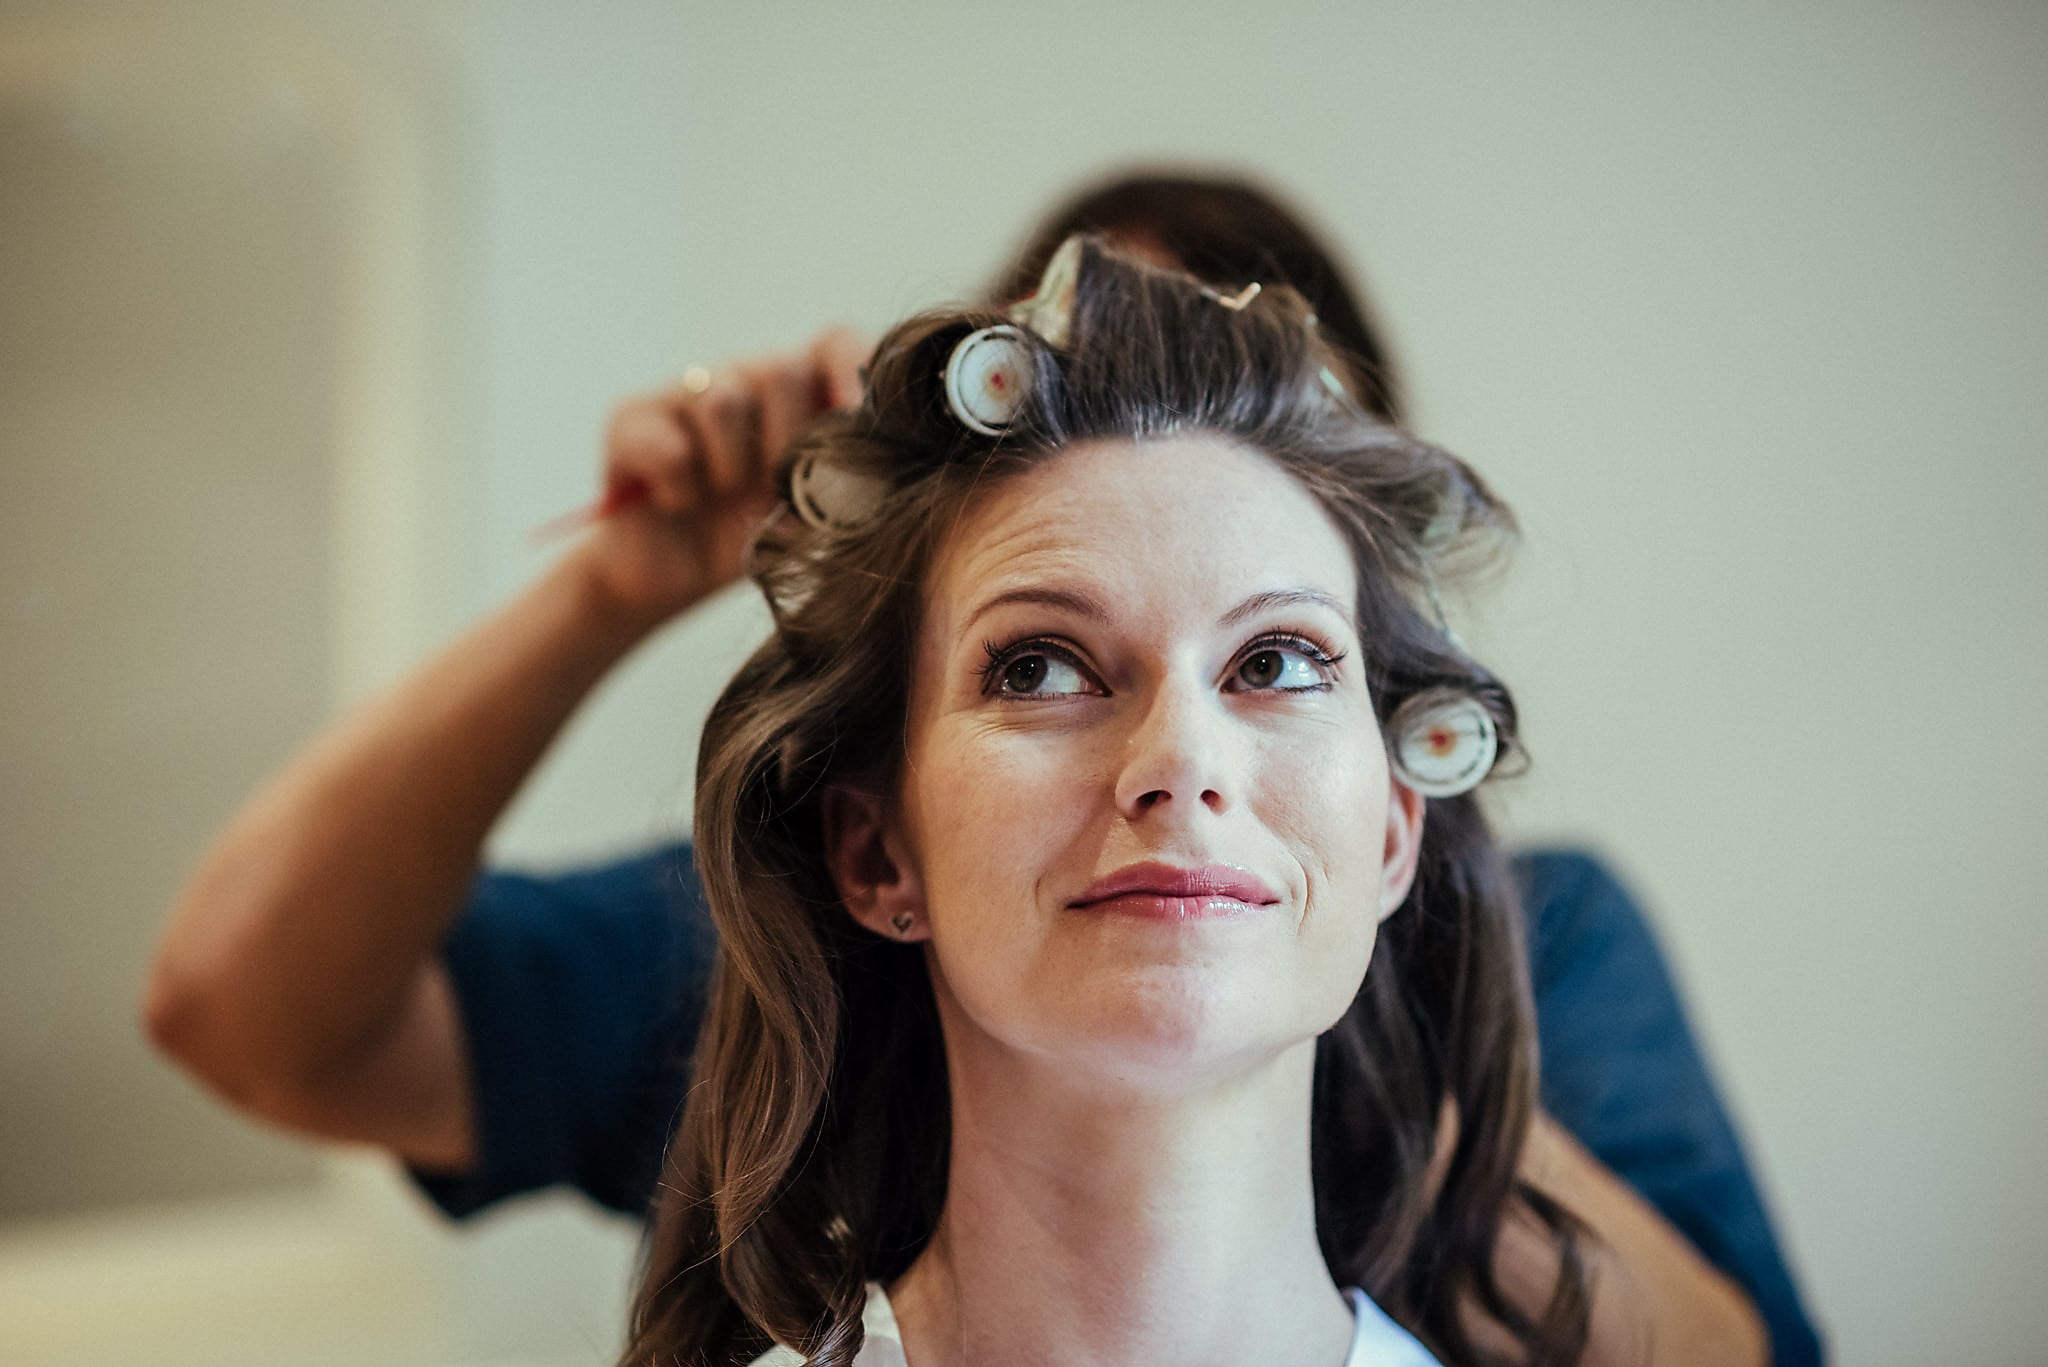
(830, 497)
(1444, 743)
(989, 378)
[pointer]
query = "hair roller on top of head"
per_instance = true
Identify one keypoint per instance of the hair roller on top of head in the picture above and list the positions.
(990, 372)
(988, 378)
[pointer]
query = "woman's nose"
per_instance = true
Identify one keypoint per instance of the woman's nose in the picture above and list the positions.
(1176, 755)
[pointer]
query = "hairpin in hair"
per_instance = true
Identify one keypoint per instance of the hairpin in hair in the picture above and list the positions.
(1444, 744)
(1236, 302)
(830, 497)
(1049, 309)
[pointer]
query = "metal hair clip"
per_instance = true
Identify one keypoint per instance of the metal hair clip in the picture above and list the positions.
(1049, 309)
(1443, 744)
(1236, 302)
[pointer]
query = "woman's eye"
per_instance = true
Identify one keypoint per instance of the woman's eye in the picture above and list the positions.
(1283, 668)
(1039, 674)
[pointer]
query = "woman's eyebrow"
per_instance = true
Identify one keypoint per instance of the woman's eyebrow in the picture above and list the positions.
(1086, 605)
(1072, 600)
(1282, 598)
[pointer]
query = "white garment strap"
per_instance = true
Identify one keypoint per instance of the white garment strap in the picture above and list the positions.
(882, 1346)
(1378, 1341)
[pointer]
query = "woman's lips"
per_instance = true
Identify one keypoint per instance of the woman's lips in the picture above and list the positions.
(1167, 892)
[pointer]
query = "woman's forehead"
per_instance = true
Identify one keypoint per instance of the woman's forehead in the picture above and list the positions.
(1187, 523)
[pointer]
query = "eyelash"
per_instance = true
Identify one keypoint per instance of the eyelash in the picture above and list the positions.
(1000, 657)
(1317, 652)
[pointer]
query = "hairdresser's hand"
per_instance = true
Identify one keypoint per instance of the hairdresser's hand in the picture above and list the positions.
(705, 456)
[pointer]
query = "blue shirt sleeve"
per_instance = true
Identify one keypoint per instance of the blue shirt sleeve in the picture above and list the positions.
(580, 995)
(1622, 1072)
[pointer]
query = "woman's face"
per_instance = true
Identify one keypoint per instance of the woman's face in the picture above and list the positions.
(1145, 815)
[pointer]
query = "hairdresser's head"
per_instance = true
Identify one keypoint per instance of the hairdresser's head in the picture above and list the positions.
(1238, 521)
(1228, 232)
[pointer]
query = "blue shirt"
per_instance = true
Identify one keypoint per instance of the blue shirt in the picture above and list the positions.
(580, 995)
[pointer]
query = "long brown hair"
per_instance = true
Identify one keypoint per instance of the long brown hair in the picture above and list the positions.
(812, 1152)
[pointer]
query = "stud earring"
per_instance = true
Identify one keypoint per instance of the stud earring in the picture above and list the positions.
(903, 921)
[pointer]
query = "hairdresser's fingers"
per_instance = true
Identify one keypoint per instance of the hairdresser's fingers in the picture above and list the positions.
(836, 357)
(647, 443)
(725, 420)
(783, 386)
(716, 434)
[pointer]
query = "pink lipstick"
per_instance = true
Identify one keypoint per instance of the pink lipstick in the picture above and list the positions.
(1165, 892)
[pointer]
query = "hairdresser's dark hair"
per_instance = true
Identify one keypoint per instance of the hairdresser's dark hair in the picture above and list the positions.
(1228, 232)
(812, 1153)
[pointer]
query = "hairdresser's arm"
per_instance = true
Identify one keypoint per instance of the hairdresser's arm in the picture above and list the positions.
(1655, 1302)
(1624, 1075)
(1655, 1299)
(298, 975)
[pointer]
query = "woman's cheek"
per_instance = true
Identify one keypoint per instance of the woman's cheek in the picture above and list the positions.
(1339, 764)
(1321, 794)
(995, 788)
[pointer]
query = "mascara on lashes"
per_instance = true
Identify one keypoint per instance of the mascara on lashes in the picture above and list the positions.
(1001, 657)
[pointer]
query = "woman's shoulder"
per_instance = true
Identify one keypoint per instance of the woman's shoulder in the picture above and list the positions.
(882, 1347)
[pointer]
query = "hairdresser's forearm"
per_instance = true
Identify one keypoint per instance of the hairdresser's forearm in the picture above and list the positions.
(297, 945)
(1655, 1299)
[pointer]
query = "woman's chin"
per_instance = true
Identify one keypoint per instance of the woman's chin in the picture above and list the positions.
(1169, 1035)
(1154, 1023)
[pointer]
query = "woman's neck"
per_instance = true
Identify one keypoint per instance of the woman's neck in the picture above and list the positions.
(1094, 1224)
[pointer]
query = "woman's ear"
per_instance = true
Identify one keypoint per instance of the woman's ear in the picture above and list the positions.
(870, 867)
(1403, 851)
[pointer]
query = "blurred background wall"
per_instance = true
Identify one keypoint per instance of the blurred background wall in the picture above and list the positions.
(309, 314)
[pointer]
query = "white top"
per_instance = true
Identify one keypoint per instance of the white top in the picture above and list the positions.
(1376, 1342)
